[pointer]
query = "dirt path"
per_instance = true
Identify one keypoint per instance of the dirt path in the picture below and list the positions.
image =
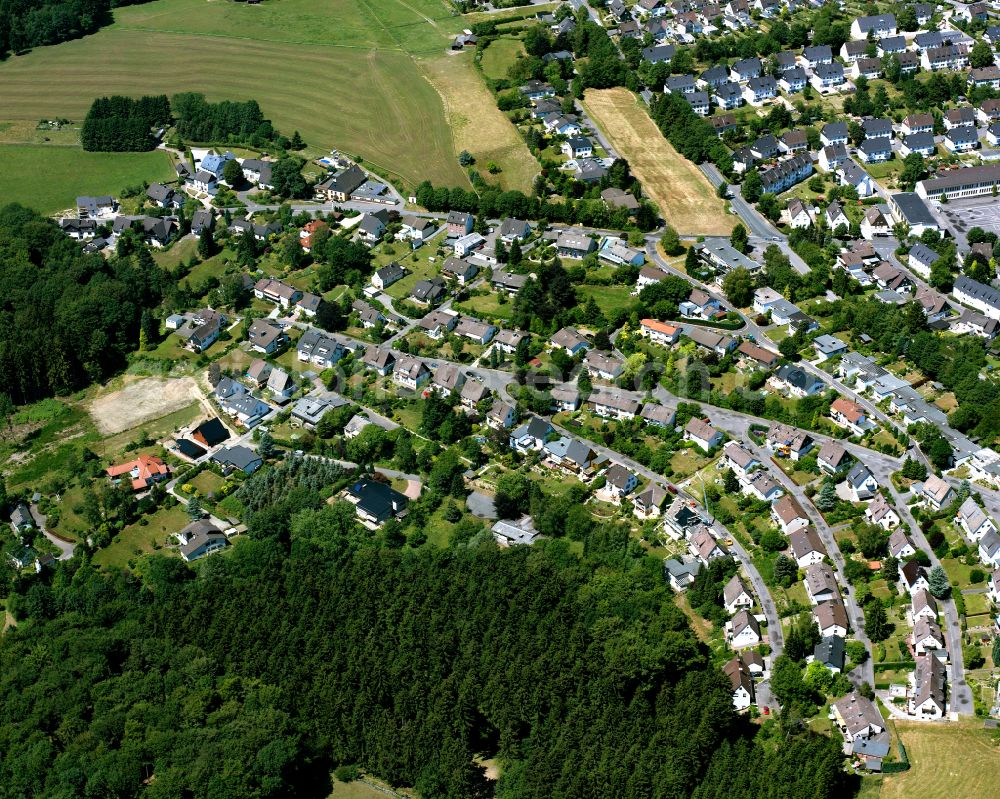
(680, 190)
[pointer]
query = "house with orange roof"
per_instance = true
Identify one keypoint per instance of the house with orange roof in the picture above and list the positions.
(849, 414)
(143, 472)
(660, 332)
(306, 234)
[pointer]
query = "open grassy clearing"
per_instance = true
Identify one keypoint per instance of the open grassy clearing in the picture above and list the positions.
(67, 172)
(141, 539)
(345, 73)
(476, 124)
(500, 56)
(953, 760)
(685, 197)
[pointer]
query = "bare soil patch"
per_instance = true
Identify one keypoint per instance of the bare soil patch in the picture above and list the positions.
(142, 401)
(680, 190)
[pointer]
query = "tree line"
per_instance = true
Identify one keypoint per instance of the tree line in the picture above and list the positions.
(67, 319)
(34, 23)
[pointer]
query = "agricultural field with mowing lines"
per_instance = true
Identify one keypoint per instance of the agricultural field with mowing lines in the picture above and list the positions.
(680, 190)
(349, 74)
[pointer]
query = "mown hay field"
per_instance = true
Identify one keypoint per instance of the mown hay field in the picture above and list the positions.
(680, 190)
(347, 74)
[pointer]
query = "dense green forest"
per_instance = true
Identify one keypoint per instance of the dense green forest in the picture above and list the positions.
(32, 23)
(124, 124)
(66, 319)
(312, 647)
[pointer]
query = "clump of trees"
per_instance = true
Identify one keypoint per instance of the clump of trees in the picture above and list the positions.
(123, 124)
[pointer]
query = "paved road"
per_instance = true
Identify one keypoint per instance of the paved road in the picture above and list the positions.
(960, 695)
(65, 548)
(865, 672)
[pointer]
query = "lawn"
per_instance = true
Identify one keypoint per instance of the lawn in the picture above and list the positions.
(610, 299)
(351, 74)
(500, 56)
(206, 483)
(685, 197)
(953, 760)
(141, 539)
(487, 305)
(67, 172)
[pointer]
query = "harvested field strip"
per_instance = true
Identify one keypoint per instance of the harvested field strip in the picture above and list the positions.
(680, 190)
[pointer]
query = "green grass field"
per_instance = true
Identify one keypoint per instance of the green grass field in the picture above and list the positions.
(500, 56)
(356, 75)
(78, 173)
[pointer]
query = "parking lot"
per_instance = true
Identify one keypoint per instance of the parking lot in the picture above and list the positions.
(963, 215)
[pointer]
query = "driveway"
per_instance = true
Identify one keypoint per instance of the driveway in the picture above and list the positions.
(65, 547)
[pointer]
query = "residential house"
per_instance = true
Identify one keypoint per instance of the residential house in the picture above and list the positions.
(212, 431)
(817, 54)
(648, 503)
(612, 405)
(800, 215)
(681, 572)
(830, 653)
(852, 175)
(142, 472)
(806, 547)
(410, 373)
(935, 492)
(962, 139)
(371, 228)
(617, 252)
(531, 435)
(875, 151)
(501, 416)
(745, 69)
(459, 224)
(570, 339)
(740, 459)
(21, 518)
(339, 186)
(743, 688)
(762, 487)
(984, 298)
(827, 346)
(834, 133)
(831, 618)
(927, 636)
(368, 315)
(660, 332)
(788, 515)
(426, 292)
(743, 630)
(309, 410)
(846, 413)
(861, 483)
(474, 330)
(878, 26)
(200, 538)
(379, 359)
(439, 322)
(658, 415)
(416, 228)
(512, 229)
(912, 577)
(874, 224)
(473, 392)
(277, 292)
(868, 68)
(508, 340)
(973, 520)
(736, 595)
(728, 96)
(975, 323)
(821, 584)
(508, 282)
(757, 356)
(508, 535)
(787, 442)
(266, 336)
(856, 716)
(828, 77)
(989, 548)
(880, 512)
(718, 343)
(927, 700)
(701, 433)
(237, 458)
(619, 482)
(796, 381)
(832, 457)
(280, 383)
(793, 80)
(574, 245)
(603, 365)
(923, 606)
(314, 347)
(387, 275)
(375, 502)
(448, 377)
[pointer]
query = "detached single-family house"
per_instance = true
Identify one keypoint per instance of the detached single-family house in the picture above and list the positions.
(935, 492)
(861, 483)
(740, 459)
(410, 373)
(788, 515)
(200, 538)
(912, 577)
(856, 716)
(569, 339)
(736, 595)
(807, 547)
(743, 630)
(973, 520)
(375, 502)
(880, 512)
(141, 473)
(821, 584)
(701, 433)
(743, 688)
(832, 457)
(660, 332)
(831, 618)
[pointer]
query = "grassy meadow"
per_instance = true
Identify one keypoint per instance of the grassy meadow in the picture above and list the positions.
(78, 173)
(360, 76)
